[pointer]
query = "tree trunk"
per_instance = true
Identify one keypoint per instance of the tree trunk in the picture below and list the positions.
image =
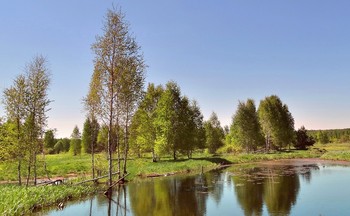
(35, 173)
(92, 158)
(20, 157)
(154, 157)
(19, 173)
(110, 154)
(28, 174)
(267, 143)
(118, 149)
(126, 143)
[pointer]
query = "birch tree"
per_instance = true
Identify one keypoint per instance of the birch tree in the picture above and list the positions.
(277, 122)
(117, 80)
(214, 133)
(245, 128)
(143, 124)
(15, 110)
(36, 105)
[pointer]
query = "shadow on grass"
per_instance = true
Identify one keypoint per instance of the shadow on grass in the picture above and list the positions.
(217, 160)
(214, 159)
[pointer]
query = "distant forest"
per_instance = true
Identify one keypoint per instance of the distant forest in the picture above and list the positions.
(331, 135)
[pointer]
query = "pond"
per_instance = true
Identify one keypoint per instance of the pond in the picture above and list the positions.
(286, 187)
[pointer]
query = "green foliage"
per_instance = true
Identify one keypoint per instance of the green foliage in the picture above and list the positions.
(75, 142)
(9, 148)
(245, 128)
(49, 139)
(276, 121)
(143, 129)
(66, 144)
(334, 136)
(178, 124)
(102, 138)
(214, 133)
(167, 121)
(303, 140)
(59, 147)
(322, 137)
(89, 136)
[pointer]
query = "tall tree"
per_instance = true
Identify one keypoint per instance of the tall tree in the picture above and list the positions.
(36, 104)
(214, 133)
(14, 101)
(143, 135)
(132, 82)
(191, 132)
(245, 127)
(118, 64)
(276, 121)
(167, 121)
(75, 141)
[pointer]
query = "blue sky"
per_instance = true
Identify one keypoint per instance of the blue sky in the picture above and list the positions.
(219, 52)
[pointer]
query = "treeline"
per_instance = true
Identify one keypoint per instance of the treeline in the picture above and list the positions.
(271, 126)
(331, 136)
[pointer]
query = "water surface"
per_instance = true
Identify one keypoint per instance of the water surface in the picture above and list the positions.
(287, 187)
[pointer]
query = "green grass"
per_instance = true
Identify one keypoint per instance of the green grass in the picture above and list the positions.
(15, 200)
(335, 151)
(66, 164)
(57, 165)
(247, 158)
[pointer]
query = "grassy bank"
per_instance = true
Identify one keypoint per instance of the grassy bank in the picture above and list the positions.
(64, 165)
(15, 200)
(335, 151)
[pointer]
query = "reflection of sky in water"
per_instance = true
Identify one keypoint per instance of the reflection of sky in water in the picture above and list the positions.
(288, 190)
(327, 194)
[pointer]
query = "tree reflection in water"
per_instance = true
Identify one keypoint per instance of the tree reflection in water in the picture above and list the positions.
(276, 186)
(243, 189)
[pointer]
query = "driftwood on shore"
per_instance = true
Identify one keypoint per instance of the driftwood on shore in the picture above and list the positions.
(51, 182)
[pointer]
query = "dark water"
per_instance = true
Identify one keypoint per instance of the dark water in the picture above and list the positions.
(291, 187)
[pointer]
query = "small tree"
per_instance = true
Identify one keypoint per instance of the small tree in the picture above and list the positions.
(66, 144)
(86, 137)
(49, 140)
(59, 147)
(303, 141)
(75, 142)
(214, 133)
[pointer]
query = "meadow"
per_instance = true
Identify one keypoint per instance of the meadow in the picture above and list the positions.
(66, 165)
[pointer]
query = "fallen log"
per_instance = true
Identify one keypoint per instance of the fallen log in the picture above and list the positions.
(101, 177)
(51, 182)
(122, 178)
(108, 192)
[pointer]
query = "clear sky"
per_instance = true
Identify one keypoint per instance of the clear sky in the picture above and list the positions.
(219, 52)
